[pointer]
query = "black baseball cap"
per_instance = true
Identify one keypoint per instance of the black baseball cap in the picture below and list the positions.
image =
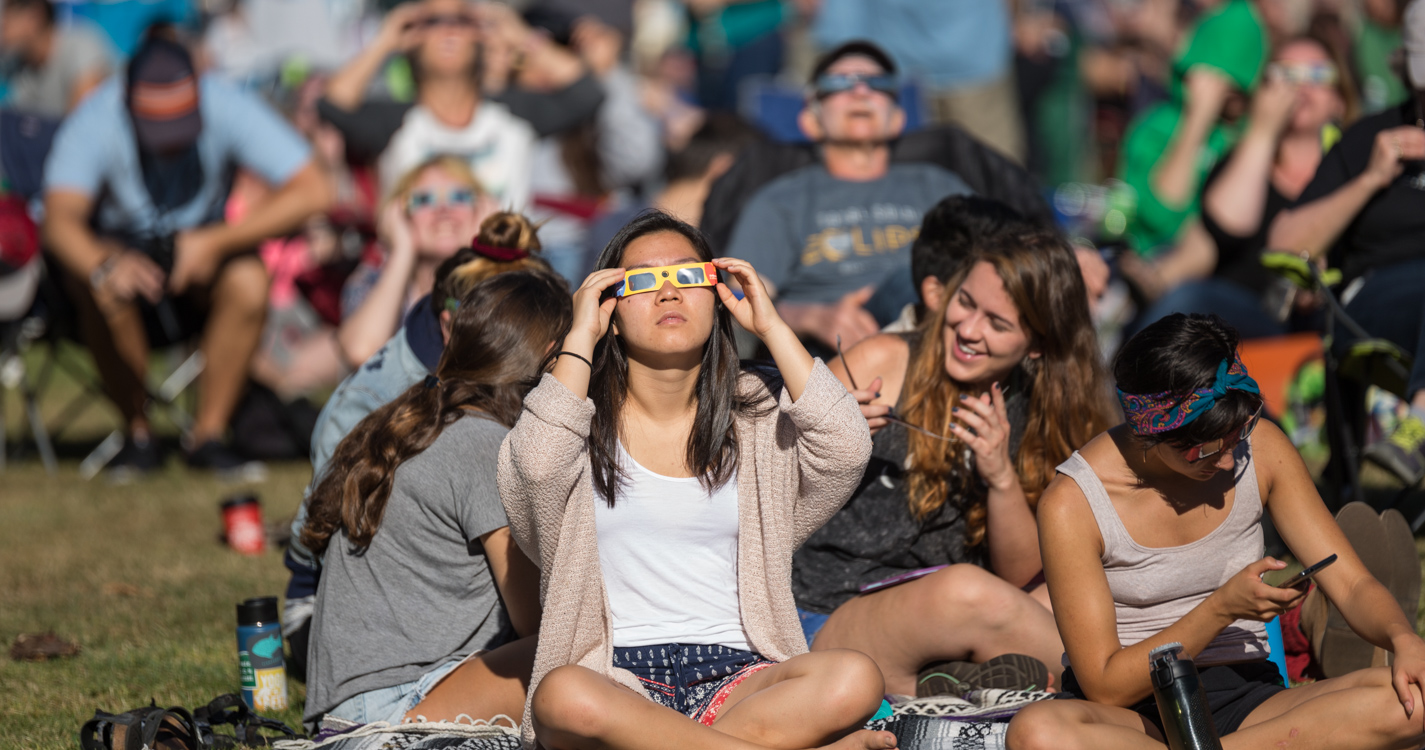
(162, 97)
(861, 47)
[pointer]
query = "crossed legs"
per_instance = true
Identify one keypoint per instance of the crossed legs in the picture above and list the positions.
(1359, 711)
(961, 613)
(810, 700)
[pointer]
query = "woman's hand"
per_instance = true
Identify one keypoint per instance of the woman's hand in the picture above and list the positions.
(401, 30)
(875, 414)
(1406, 669)
(592, 311)
(394, 229)
(986, 415)
(1393, 146)
(1246, 597)
(1273, 104)
(755, 311)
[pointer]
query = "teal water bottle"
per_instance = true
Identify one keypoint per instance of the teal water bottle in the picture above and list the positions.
(260, 659)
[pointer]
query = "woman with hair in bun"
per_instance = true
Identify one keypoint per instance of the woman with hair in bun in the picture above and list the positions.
(507, 242)
(1152, 534)
(971, 412)
(420, 575)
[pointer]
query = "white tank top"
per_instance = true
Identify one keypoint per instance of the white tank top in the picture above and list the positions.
(668, 551)
(1153, 587)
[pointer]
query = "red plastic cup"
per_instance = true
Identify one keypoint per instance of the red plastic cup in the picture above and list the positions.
(242, 519)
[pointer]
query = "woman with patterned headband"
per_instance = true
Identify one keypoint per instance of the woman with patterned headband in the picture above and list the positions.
(1153, 535)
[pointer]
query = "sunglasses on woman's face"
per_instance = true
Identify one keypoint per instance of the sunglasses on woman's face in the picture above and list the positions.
(836, 83)
(447, 19)
(1314, 74)
(423, 199)
(640, 280)
(1204, 451)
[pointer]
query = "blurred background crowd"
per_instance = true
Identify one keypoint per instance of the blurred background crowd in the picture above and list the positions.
(278, 182)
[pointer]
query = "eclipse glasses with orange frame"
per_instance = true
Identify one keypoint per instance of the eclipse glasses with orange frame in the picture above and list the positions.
(640, 280)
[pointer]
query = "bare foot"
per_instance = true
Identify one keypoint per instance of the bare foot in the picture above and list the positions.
(865, 740)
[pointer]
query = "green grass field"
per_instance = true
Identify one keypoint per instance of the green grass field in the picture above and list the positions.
(137, 576)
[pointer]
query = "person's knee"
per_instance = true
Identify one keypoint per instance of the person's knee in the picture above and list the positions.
(1036, 727)
(1390, 719)
(853, 684)
(567, 701)
(970, 588)
(242, 286)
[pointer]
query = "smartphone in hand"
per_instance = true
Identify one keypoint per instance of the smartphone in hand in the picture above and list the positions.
(1303, 578)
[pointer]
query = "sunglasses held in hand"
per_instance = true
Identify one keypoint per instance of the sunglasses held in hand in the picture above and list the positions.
(890, 416)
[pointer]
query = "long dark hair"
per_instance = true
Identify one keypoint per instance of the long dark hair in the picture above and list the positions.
(499, 343)
(1180, 354)
(712, 445)
(1067, 401)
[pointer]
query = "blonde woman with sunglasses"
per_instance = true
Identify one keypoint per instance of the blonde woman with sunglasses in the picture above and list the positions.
(433, 211)
(662, 487)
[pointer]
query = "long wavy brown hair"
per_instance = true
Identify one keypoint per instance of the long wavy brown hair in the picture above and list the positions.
(499, 343)
(1068, 402)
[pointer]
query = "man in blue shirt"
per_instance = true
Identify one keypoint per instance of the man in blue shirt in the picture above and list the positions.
(135, 191)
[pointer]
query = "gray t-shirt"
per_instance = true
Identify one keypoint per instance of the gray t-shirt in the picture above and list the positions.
(78, 51)
(817, 238)
(421, 594)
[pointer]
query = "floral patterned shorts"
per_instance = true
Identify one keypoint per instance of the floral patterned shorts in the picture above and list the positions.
(691, 679)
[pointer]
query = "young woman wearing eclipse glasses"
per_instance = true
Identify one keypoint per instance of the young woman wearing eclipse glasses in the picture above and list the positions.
(662, 488)
(1153, 535)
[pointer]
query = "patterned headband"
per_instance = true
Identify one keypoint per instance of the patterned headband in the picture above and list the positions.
(1153, 413)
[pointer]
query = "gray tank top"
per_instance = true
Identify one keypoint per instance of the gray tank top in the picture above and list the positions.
(1153, 587)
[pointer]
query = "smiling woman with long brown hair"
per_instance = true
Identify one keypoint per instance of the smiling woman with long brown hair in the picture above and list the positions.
(971, 413)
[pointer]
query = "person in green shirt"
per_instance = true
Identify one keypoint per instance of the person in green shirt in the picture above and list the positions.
(1170, 148)
(1376, 40)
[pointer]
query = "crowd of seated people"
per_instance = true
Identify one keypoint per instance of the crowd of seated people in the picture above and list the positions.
(550, 484)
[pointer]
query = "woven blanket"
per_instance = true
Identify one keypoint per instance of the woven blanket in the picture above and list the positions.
(975, 721)
(340, 734)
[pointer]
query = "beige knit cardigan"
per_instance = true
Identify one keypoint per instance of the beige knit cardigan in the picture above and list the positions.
(798, 464)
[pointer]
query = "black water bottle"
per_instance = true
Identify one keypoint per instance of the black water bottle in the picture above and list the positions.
(1182, 703)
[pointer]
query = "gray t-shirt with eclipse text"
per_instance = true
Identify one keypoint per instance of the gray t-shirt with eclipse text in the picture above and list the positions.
(818, 238)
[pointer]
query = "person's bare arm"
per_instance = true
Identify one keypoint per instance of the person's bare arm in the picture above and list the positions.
(399, 33)
(847, 318)
(1312, 534)
(125, 274)
(86, 82)
(1194, 257)
(378, 316)
(1237, 199)
(516, 577)
(1175, 177)
(197, 252)
(1314, 227)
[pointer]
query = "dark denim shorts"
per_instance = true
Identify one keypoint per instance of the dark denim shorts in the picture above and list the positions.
(692, 679)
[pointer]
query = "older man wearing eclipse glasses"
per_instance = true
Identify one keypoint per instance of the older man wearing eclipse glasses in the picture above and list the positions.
(832, 240)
